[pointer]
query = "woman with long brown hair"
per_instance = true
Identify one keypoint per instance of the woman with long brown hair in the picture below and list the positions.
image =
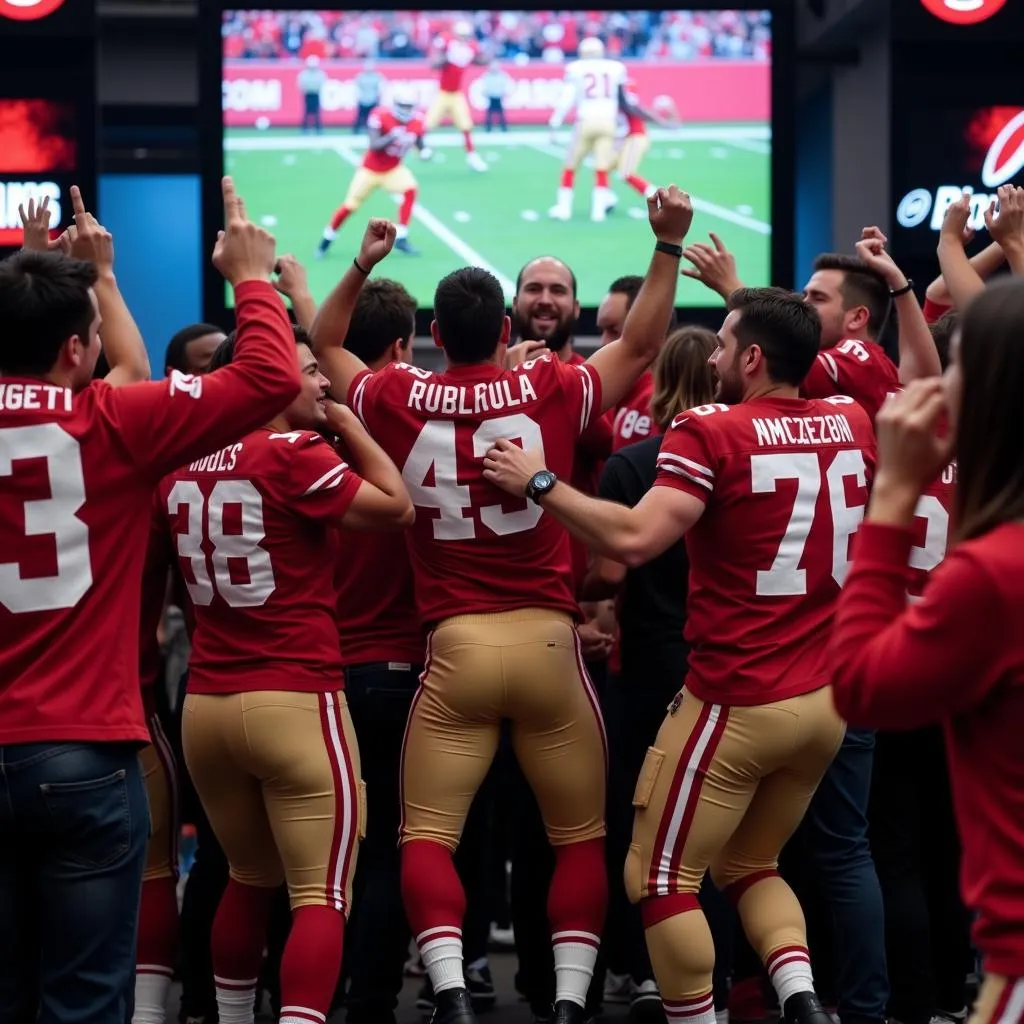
(957, 655)
(651, 612)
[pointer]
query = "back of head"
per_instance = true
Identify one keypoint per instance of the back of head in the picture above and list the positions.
(44, 300)
(785, 327)
(384, 313)
(683, 377)
(225, 352)
(861, 287)
(990, 471)
(628, 285)
(176, 356)
(469, 308)
(942, 334)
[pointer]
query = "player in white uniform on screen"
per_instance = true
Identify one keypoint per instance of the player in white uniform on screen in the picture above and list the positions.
(594, 84)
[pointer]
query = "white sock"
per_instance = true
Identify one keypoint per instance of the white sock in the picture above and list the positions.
(402, 231)
(690, 1011)
(329, 234)
(441, 949)
(789, 968)
(301, 1015)
(564, 196)
(575, 956)
(236, 1000)
(152, 984)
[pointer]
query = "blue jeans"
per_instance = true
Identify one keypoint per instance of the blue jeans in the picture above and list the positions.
(837, 838)
(74, 823)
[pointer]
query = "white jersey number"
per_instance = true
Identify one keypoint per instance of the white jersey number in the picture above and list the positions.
(785, 578)
(434, 454)
(55, 516)
(244, 546)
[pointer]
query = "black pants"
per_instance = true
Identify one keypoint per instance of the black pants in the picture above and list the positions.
(917, 855)
(362, 116)
(377, 937)
(495, 114)
(311, 114)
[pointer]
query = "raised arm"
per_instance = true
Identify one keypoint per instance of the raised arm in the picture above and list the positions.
(332, 319)
(293, 283)
(962, 280)
(918, 355)
(621, 362)
(1007, 225)
(984, 264)
(168, 423)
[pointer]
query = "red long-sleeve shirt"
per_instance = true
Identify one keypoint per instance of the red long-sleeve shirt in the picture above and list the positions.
(956, 657)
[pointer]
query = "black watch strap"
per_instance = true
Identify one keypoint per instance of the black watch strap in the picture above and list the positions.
(670, 248)
(908, 287)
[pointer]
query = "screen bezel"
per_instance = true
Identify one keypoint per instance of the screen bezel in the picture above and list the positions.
(783, 102)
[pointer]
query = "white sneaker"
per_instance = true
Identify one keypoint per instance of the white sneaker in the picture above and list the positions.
(618, 988)
(646, 991)
(502, 938)
(476, 161)
(560, 212)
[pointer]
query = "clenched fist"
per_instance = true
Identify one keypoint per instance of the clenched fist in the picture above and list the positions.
(670, 213)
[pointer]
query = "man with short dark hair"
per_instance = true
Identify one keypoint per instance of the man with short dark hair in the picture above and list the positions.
(747, 740)
(493, 583)
(79, 460)
(191, 349)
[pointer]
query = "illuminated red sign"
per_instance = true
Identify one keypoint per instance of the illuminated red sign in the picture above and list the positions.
(963, 12)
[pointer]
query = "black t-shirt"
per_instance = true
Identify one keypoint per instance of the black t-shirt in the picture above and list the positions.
(652, 608)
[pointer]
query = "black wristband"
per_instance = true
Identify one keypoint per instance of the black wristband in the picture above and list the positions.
(669, 248)
(908, 287)
(355, 263)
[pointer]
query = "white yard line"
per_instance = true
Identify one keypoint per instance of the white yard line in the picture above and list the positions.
(441, 231)
(751, 145)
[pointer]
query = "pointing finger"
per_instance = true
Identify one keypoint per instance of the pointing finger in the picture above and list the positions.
(77, 203)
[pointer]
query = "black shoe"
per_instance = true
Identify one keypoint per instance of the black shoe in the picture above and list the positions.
(480, 985)
(568, 1012)
(453, 1006)
(402, 245)
(805, 1008)
(322, 247)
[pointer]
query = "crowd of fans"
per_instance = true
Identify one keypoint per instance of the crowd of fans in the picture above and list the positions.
(508, 35)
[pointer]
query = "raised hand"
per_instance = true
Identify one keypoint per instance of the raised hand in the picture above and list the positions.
(516, 355)
(378, 241)
(912, 447)
(954, 221)
(291, 276)
(1007, 226)
(89, 240)
(36, 224)
(671, 213)
(871, 251)
(243, 251)
(714, 266)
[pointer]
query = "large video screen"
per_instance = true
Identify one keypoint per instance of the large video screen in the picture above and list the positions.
(492, 137)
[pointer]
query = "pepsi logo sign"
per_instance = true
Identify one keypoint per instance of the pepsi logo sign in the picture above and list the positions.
(963, 12)
(28, 10)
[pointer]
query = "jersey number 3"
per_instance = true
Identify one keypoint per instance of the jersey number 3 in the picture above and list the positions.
(434, 455)
(242, 546)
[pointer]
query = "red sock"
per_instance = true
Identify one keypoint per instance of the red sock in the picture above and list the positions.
(568, 177)
(158, 926)
(405, 211)
(601, 179)
(240, 931)
(311, 964)
(340, 214)
(468, 136)
(431, 890)
(640, 184)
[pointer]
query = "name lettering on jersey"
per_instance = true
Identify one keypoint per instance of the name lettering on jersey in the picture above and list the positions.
(454, 400)
(949, 474)
(223, 461)
(34, 396)
(186, 383)
(816, 430)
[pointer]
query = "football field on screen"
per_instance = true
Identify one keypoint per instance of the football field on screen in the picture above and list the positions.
(498, 219)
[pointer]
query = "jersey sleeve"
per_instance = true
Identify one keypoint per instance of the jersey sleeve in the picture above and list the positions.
(322, 485)
(822, 380)
(166, 423)
(686, 460)
(364, 391)
(581, 387)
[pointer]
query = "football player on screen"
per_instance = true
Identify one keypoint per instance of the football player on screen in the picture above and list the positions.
(635, 142)
(451, 53)
(595, 85)
(393, 131)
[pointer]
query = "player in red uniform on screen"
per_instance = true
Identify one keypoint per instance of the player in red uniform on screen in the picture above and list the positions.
(768, 493)
(493, 581)
(956, 657)
(266, 732)
(393, 131)
(451, 54)
(80, 460)
(633, 146)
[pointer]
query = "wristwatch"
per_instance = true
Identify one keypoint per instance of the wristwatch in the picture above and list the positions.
(540, 483)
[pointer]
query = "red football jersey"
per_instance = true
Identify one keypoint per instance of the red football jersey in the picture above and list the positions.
(633, 421)
(785, 482)
(635, 124)
(458, 54)
(154, 592)
(860, 369)
(78, 475)
(255, 529)
(933, 518)
(377, 616)
(405, 134)
(474, 547)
